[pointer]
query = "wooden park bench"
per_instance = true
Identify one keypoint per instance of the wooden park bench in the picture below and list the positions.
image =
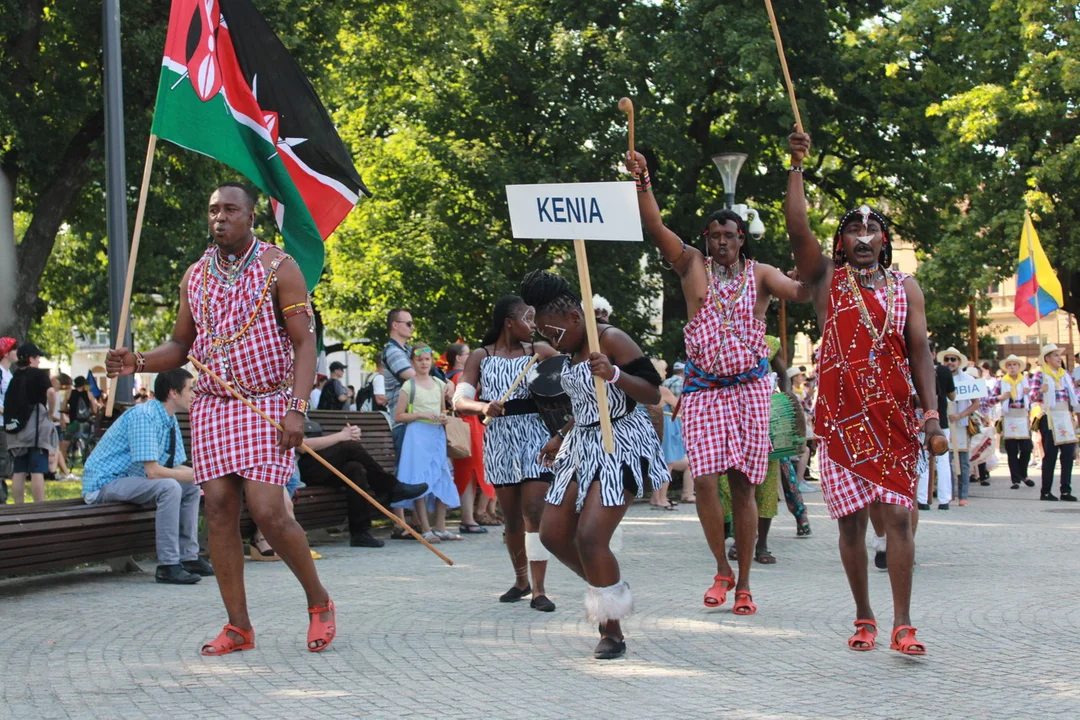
(60, 533)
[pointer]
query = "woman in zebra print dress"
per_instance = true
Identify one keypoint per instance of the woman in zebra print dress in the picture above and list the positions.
(592, 489)
(512, 441)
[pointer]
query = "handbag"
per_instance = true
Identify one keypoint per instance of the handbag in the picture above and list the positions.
(458, 439)
(1061, 425)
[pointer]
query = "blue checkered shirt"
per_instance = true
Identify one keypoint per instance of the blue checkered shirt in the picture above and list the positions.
(140, 434)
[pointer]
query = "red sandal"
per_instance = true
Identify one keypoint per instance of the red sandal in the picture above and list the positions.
(868, 638)
(908, 645)
(321, 630)
(223, 644)
(744, 603)
(716, 595)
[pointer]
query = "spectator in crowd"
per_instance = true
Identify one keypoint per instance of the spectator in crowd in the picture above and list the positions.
(469, 472)
(61, 383)
(140, 460)
(397, 366)
(344, 451)
(335, 395)
(421, 409)
(672, 444)
(8, 356)
(81, 407)
(29, 404)
(959, 412)
(602, 309)
(316, 393)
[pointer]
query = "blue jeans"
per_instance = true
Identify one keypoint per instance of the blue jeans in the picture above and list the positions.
(177, 522)
(961, 484)
(399, 440)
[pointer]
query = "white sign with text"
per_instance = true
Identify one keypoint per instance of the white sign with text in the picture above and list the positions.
(575, 211)
(968, 388)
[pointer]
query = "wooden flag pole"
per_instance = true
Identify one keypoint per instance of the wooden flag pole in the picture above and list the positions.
(304, 448)
(513, 387)
(132, 257)
(783, 65)
(594, 344)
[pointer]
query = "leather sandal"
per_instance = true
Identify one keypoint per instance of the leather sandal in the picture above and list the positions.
(744, 603)
(868, 637)
(716, 595)
(907, 645)
(321, 630)
(223, 644)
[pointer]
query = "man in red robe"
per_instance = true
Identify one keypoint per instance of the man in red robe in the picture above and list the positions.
(874, 357)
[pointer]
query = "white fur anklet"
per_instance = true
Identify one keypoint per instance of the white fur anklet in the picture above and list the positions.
(877, 544)
(614, 602)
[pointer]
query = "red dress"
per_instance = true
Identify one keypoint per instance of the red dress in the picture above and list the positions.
(240, 340)
(728, 428)
(466, 468)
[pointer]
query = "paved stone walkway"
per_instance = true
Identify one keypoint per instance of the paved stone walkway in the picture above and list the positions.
(997, 600)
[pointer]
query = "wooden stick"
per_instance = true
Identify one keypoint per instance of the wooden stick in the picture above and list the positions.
(304, 448)
(594, 344)
(783, 65)
(132, 257)
(627, 106)
(513, 387)
(783, 331)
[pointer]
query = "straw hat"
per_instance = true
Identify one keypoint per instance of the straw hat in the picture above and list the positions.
(1011, 358)
(952, 351)
(1047, 349)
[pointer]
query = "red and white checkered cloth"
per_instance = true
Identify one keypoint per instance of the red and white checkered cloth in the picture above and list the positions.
(728, 428)
(844, 491)
(227, 438)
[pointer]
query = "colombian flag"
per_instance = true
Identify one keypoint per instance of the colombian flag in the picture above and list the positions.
(1038, 290)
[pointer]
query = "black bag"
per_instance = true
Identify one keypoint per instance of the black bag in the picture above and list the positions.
(328, 400)
(17, 407)
(79, 408)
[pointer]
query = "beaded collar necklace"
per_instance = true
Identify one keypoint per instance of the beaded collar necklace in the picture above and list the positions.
(726, 310)
(727, 274)
(868, 277)
(228, 269)
(864, 313)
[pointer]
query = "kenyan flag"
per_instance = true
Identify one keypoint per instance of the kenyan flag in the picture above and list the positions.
(230, 90)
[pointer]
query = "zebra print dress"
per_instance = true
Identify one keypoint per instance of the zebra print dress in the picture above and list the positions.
(512, 443)
(637, 459)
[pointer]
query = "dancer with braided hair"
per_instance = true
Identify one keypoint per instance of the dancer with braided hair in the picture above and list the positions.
(512, 440)
(593, 489)
(725, 401)
(874, 353)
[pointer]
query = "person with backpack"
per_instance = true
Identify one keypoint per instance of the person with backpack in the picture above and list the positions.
(81, 408)
(29, 404)
(335, 396)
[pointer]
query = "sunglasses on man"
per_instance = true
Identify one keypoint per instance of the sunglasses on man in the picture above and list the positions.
(406, 323)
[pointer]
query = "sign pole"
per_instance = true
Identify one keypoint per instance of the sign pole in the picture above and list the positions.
(594, 344)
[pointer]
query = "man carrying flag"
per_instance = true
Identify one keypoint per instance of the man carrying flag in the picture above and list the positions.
(230, 90)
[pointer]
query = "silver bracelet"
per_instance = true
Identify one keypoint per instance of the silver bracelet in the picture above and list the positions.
(795, 168)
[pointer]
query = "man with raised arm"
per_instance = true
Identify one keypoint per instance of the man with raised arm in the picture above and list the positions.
(873, 347)
(725, 400)
(245, 314)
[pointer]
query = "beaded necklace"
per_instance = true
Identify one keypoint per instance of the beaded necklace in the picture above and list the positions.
(864, 313)
(726, 310)
(868, 277)
(229, 269)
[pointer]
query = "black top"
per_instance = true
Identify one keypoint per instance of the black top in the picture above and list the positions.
(37, 386)
(328, 400)
(945, 385)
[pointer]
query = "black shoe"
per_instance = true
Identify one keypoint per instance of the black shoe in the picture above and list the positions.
(943, 506)
(175, 575)
(365, 539)
(199, 566)
(609, 649)
(404, 491)
(924, 506)
(1029, 483)
(1048, 496)
(542, 603)
(880, 561)
(1016, 486)
(1068, 497)
(514, 594)
(984, 483)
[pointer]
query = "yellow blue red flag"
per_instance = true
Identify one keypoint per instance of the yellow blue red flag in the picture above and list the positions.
(1038, 290)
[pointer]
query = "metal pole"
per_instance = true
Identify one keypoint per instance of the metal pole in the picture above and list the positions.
(115, 181)
(973, 334)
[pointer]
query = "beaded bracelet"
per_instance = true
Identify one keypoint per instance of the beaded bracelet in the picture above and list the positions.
(795, 168)
(643, 181)
(140, 362)
(299, 405)
(930, 415)
(615, 378)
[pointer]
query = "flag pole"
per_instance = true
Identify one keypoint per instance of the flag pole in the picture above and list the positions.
(126, 307)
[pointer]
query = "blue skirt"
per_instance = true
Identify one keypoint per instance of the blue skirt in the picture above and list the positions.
(674, 451)
(423, 460)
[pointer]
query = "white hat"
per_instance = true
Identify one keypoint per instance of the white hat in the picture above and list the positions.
(679, 366)
(973, 372)
(1011, 358)
(1047, 349)
(952, 351)
(793, 371)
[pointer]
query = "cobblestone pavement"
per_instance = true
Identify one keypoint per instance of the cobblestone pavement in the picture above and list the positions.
(997, 600)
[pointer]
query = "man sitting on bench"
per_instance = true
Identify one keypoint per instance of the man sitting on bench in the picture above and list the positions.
(139, 460)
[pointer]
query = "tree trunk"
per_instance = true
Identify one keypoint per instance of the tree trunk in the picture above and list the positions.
(56, 198)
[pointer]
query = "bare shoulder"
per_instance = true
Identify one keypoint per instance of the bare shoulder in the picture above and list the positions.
(544, 350)
(911, 287)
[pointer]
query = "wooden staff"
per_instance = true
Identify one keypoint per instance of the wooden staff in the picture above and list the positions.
(627, 106)
(132, 257)
(594, 345)
(304, 448)
(513, 387)
(783, 65)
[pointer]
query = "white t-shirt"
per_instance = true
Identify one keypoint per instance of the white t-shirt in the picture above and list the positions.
(315, 395)
(5, 380)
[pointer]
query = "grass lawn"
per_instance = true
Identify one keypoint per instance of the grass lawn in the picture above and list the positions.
(54, 490)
